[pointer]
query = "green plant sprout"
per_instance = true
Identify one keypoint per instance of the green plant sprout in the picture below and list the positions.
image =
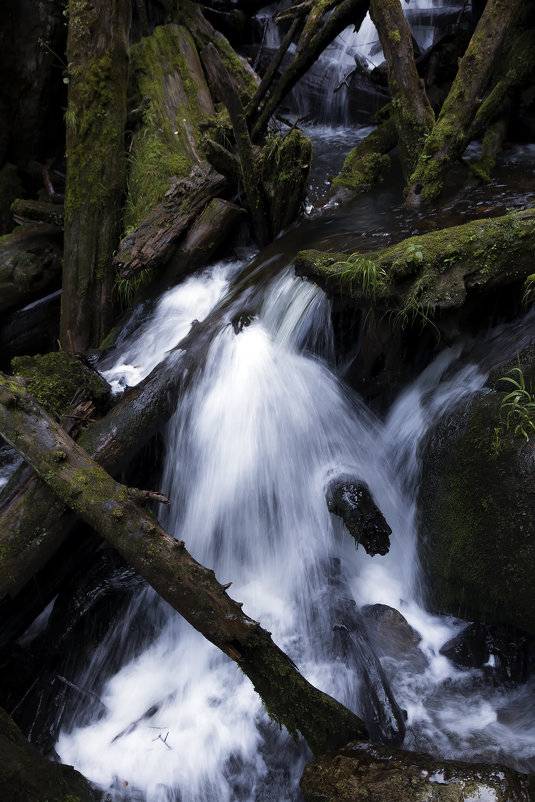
(518, 405)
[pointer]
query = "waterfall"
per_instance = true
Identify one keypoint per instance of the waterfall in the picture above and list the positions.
(337, 90)
(263, 427)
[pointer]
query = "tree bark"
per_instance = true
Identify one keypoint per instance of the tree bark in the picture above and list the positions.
(411, 109)
(449, 136)
(164, 562)
(97, 53)
(228, 94)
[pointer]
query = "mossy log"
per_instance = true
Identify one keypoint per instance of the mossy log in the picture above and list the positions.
(164, 562)
(411, 110)
(30, 264)
(34, 211)
(33, 521)
(422, 275)
(450, 134)
(155, 239)
(97, 53)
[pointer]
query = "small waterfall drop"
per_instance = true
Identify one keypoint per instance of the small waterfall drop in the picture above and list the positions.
(264, 425)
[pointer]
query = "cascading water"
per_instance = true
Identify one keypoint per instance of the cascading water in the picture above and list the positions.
(342, 68)
(263, 427)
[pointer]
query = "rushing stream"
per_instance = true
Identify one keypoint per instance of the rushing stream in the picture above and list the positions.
(265, 424)
(263, 427)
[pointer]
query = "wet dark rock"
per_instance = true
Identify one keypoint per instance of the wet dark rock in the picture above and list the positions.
(371, 773)
(352, 501)
(503, 650)
(476, 502)
(469, 648)
(26, 776)
(392, 636)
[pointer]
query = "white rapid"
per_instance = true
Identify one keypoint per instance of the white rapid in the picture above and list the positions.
(264, 426)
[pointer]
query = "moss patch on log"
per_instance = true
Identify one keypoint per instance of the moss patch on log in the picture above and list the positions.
(26, 776)
(430, 272)
(54, 379)
(166, 69)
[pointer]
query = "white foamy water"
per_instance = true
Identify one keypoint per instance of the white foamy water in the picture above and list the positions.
(262, 429)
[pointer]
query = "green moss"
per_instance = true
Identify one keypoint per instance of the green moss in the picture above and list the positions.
(53, 379)
(395, 37)
(165, 68)
(94, 128)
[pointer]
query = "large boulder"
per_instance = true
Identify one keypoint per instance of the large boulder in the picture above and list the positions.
(477, 528)
(366, 772)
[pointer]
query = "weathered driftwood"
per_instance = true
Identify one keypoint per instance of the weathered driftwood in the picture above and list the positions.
(165, 563)
(97, 52)
(411, 109)
(425, 274)
(449, 136)
(30, 264)
(153, 242)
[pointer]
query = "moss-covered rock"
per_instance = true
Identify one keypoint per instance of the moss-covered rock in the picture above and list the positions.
(372, 773)
(477, 529)
(54, 379)
(26, 776)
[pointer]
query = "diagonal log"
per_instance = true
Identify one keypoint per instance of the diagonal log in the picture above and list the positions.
(189, 587)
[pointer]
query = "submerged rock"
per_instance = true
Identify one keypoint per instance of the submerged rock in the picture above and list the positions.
(370, 773)
(352, 501)
(501, 649)
(392, 635)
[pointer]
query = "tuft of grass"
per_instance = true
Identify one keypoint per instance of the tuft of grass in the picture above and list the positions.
(363, 271)
(518, 405)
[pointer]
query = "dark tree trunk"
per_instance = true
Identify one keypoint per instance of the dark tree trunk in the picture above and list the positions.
(187, 586)
(97, 53)
(411, 109)
(450, 136)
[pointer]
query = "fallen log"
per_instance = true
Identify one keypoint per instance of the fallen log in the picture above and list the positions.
(420, 276)
(164, 562)
(30, 264)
